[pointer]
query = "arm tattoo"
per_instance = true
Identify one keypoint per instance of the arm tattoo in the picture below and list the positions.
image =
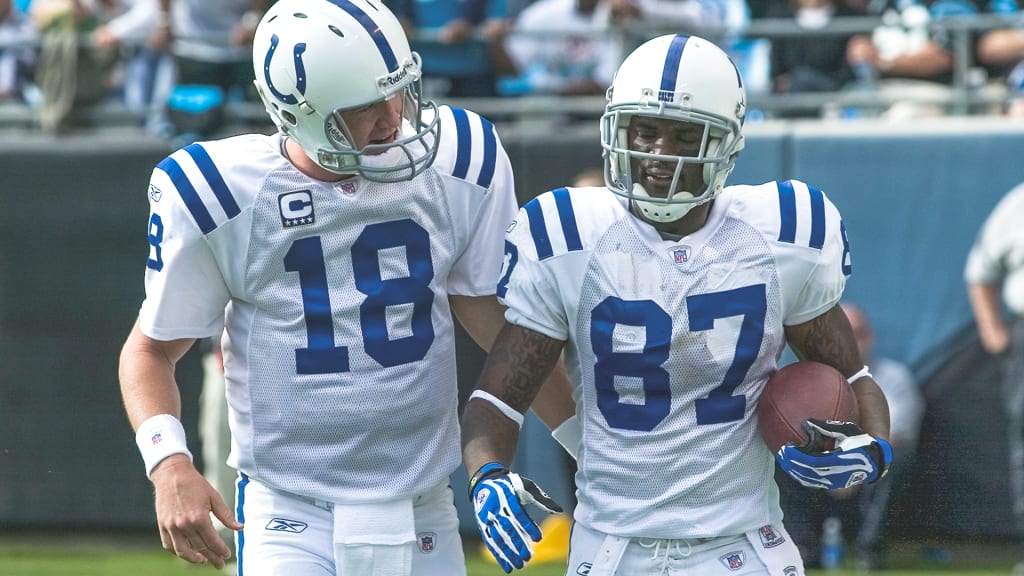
(525, 358)
(828, 339)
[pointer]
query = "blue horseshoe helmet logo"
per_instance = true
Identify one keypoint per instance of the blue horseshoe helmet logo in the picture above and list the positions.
(300, 71)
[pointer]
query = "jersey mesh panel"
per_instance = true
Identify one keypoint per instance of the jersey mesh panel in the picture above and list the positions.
(372, 431)
(681, 479)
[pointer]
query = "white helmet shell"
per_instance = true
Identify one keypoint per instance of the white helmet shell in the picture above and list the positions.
(682, 78)
(315, 58)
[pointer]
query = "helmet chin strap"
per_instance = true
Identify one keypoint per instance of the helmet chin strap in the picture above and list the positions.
(661, 212)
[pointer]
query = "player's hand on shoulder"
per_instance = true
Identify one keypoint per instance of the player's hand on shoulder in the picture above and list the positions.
(499, 499)
(857, 457)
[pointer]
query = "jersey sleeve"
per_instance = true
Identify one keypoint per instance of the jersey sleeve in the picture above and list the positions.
(813, 251)
(528, 285)
(482, 195)
(185, 290)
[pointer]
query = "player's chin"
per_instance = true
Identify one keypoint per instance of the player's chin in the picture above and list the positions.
(656, 187)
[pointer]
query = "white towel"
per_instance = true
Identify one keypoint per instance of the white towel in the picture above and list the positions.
(374, 539)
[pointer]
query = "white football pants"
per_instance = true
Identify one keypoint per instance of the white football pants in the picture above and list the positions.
(768, 551)
(289, 535)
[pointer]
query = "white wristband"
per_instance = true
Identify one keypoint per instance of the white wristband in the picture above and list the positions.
(568, 434)
(159, 437)
(863, 372)
(505, 409)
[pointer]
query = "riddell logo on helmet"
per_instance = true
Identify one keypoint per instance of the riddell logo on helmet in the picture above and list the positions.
(336, 135)
(395, 78)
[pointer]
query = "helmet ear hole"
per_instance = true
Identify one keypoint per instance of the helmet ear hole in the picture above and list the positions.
(289, 117)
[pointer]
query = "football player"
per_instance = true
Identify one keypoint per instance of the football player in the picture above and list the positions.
(335, 253)
(671, 298)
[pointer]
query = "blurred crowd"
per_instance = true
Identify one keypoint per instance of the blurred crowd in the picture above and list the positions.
(175, 64)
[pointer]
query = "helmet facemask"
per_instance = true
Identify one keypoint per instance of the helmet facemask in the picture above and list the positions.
(667, 80)
(412, 152)
(716, 152)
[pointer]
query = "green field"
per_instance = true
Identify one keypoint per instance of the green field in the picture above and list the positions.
(56, 554)
(157, 563)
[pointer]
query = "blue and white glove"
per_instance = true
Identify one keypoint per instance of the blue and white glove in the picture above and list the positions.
(499, 498)
(858, 458)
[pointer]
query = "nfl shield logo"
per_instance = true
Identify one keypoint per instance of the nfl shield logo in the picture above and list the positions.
(680, 254)
(733, 560)
(769, 537)
(427, 541)
(347, 188)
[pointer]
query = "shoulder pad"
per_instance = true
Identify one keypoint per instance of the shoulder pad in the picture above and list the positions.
(803, 214)
(210, 179)
(552, 224)
(468, 149)
(200, 185)
(566, 220)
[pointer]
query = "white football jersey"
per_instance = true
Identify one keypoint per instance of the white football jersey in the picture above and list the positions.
(669, 344)
(339, 345)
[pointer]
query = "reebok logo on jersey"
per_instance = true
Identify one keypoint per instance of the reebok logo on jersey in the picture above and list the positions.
(296, 208)
(733, 560)
(284, 525)
(155, 193)
(583, 569)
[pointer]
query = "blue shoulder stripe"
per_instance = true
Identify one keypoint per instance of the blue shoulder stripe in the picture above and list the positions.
(188, 194)
(817, 217)
(465, 148)
(214, 179)
(539, 230)
(788, 214)
(464, 152)
(490, 154)
(787, 211)
(566, 219)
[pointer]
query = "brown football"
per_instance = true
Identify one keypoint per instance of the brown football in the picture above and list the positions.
(800, 391)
